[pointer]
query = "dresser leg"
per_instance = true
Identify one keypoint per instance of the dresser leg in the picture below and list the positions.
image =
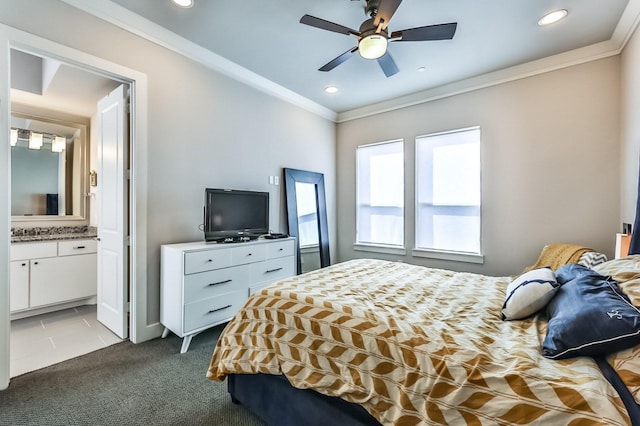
(185, 343)
(165, 333)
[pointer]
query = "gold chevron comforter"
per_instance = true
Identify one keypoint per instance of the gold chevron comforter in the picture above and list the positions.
(413, 345)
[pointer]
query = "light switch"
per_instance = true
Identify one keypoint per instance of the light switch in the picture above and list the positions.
(271, 180)
(276, 180)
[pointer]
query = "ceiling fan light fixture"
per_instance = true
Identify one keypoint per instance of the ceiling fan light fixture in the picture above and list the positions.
(183, 3)
(552, 17)
(373, 46)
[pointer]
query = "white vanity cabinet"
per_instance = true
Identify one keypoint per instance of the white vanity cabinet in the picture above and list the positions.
(205, 284)
(53, 272)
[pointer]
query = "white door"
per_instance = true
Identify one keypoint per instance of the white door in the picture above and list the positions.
(112, 196)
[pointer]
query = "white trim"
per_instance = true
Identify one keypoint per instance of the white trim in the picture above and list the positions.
(14, 38)
(448, 255)
(380, 249)
(119, 16)
(134, 23)
(123, 18)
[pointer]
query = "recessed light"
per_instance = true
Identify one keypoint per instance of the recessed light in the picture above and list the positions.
(183, 3)
(422, 69)
(331, 89)
(552, 17)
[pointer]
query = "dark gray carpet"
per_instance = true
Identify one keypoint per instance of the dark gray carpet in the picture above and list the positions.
(149, 383)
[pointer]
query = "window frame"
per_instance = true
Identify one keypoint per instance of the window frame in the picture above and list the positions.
(380, 247)
(432, 253)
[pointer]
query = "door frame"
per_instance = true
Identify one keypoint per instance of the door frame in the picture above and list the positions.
(11, 38)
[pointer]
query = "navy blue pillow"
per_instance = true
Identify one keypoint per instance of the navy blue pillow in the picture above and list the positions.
(589, 316)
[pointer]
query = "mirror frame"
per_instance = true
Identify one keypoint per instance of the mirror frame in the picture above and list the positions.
(291, 176)
(18, 111)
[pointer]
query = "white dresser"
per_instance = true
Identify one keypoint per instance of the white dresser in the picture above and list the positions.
(49, 273)
(205, 284)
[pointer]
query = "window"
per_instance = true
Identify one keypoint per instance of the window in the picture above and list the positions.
(380, 194)
(448, 191)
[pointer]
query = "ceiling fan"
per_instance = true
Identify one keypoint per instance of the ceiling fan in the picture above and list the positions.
(373, 35)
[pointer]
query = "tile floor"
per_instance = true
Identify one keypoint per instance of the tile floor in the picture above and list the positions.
(47, 339)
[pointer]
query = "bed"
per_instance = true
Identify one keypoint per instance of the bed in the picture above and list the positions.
(382, 342)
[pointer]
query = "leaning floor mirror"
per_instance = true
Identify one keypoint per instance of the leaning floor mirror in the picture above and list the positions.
(307, 218)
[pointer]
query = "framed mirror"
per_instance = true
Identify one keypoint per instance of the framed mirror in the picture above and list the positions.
(48, 168)
(307, 218)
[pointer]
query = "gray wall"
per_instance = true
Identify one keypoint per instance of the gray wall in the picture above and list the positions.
(550, 157)
(205, 129)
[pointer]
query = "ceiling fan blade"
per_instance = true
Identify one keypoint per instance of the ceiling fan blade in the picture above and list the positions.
(388, 65)
(429, 32)
(327, 25)
(386, 9)
(340, 59)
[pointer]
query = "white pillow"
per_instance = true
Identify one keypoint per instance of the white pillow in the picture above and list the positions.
(529, 293)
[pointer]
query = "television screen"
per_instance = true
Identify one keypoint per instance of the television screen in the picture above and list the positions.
(233, 213)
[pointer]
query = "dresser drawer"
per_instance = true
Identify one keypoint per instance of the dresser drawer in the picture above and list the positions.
(241, 255)
(206, 260)
(22, 251)
(271, 270)
(213, 283)
(280, 249)
(73, 247)
(213, 310)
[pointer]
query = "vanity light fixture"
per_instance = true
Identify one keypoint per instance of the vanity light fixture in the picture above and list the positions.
(183, 3)
(35, 140)
(552, 17)
(58, 144)
(14, 137)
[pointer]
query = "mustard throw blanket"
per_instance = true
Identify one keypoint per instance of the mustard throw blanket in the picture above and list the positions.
(556, 255)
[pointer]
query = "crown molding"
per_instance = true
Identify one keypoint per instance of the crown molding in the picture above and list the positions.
(614, 46)
(123, 18)
(134, 23)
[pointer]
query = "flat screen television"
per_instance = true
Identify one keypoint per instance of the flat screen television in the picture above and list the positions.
(235, 214)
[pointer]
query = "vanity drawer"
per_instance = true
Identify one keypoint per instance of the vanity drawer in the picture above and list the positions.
(23, 251)
(213, 283)
(272, 270)
(213, 310)
(241, 255)
(206, 260)
(73, 247)
(281, 249)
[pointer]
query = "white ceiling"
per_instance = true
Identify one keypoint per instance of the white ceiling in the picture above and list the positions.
(266, 38)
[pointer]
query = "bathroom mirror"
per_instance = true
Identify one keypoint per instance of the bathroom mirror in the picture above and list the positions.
(47, 183)
(307, 218)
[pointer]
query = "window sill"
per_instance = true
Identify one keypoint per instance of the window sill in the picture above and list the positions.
(448, 255)
(380, 249)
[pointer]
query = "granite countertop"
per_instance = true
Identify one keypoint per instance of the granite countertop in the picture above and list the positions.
(53, 233)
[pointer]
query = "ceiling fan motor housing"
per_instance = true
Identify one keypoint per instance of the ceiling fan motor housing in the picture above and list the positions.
(367, 28)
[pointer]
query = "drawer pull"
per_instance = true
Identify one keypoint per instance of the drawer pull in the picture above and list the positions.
(24, 264)
(219, 309)
(220, 282)
(210, 260)
(280, 249)
(249, 254)
(79, 247)
(273, 270)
